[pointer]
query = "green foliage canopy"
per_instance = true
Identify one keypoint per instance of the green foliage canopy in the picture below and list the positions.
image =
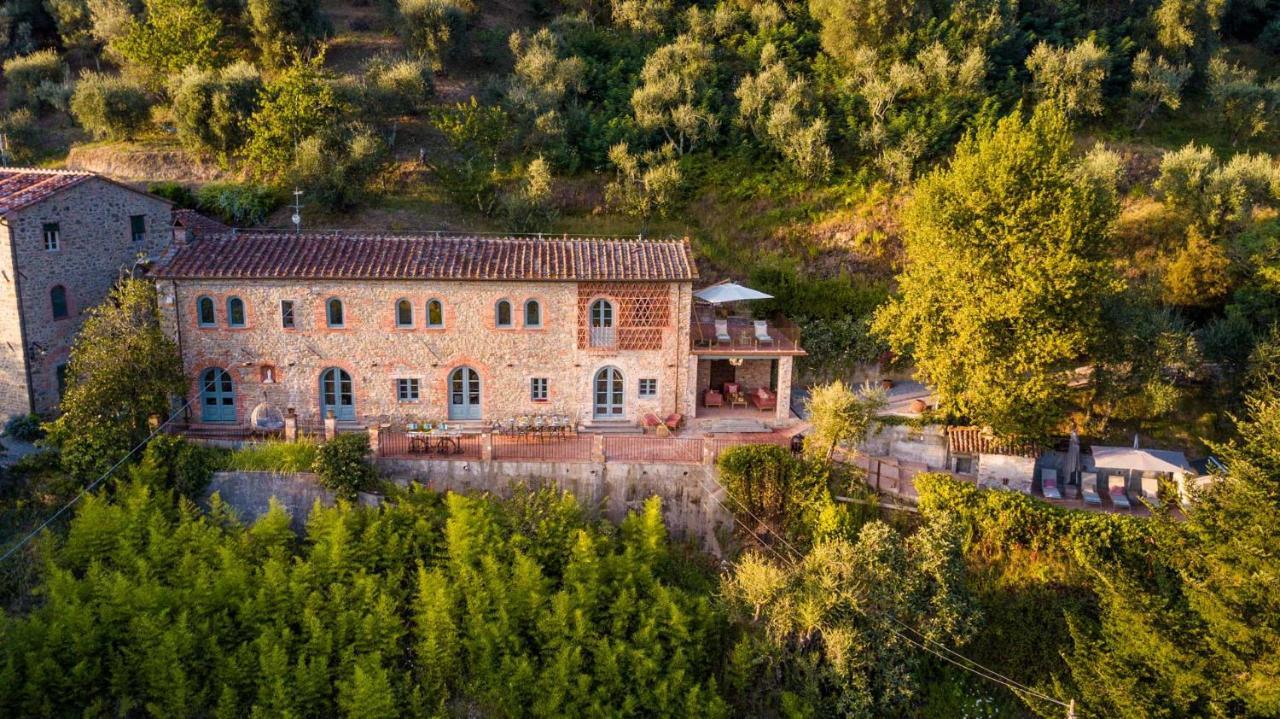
(1005, 275)
(123, 370)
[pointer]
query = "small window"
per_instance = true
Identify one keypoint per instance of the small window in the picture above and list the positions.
(407, 390)
(61, 373)
(404, 313)
(286, 314)
(52, 237)
(532, 314)
(333, 311)
(503, 312)
(648, 388)
(964, 465)
(138, 227)
(538, 389)
(58, 301)
(204, 311)
(235, 312)
(435, 313)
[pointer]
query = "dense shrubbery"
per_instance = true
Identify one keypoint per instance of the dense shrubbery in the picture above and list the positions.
(24, 427)
(236, 204)
(275, 456)
(343, 464)
(433, 605)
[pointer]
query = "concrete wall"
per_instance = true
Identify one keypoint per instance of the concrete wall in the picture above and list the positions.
(250, 493)
(375, 351)
(1002, 471)
(926, 445)
(96, 245)
(609, 490)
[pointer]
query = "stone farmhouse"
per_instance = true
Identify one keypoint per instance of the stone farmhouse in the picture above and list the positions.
(371, 328)
(65, 238)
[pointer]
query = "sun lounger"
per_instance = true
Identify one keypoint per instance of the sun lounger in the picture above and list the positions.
(722, 331)
(1151, 489)
(1049, 483)
(1115, 487)
(762, 332)
(1089, 488)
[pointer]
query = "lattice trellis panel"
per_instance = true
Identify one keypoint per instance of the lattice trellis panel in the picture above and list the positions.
(643, 312)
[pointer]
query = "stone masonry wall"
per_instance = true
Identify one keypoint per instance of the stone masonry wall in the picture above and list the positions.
(375, 351)
(96, 245)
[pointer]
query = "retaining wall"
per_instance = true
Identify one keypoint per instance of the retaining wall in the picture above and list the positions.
(608, 489)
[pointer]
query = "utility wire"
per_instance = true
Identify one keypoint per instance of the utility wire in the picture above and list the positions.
(89, 487)
(980, 670)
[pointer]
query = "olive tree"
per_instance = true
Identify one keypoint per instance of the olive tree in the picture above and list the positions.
(1070, 77)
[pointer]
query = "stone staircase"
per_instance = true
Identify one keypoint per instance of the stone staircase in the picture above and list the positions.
(609, 428)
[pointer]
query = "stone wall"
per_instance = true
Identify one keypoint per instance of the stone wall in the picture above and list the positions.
(96, 245)
(376, 352)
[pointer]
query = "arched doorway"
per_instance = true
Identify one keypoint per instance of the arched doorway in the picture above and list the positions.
(336, 394)
(608, 394)
(464, 394)
(217, 396)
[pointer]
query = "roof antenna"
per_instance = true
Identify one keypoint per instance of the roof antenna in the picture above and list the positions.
(297, 211)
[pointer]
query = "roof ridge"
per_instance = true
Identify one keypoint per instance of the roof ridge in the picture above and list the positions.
(44, 170)
(449, 236)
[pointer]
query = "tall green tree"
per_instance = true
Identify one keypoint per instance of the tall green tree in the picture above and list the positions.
(1005, 274)
(1208, 644)
(123, 369)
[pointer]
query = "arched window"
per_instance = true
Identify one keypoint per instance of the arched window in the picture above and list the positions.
(235, 312)
(404, 313)
(333, 312)
(532, 314)
(601, 331)
(204, 312)
(503, 314)
(435, 313)
(58, 301)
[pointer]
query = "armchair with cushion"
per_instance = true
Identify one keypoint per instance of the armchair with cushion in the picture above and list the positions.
(712, 398)
(763, 400)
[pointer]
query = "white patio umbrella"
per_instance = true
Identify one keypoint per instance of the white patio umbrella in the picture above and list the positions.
(1141, 460)
(729, 292)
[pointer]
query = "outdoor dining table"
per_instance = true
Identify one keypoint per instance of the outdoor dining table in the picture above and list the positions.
(446, 441)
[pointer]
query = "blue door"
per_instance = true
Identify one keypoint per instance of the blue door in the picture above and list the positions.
(464, 394)
(608, 394)
(217, 396)
(336, 394)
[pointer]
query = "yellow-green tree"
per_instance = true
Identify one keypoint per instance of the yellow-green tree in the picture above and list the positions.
(1005, 274)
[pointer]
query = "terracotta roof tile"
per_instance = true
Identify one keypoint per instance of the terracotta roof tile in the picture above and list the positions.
(197, 223)
(975, 440)
(267, 255)
(24, 186)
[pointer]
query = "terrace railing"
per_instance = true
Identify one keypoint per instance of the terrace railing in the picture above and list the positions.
(740, 335)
